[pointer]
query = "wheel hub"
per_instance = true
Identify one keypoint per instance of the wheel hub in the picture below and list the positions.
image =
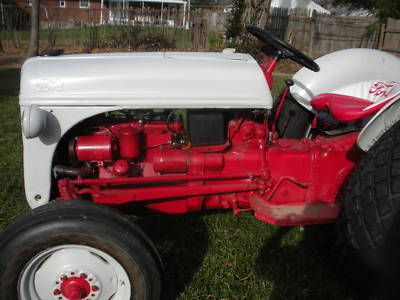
(73, 272)
(75, 285)
(74, 288)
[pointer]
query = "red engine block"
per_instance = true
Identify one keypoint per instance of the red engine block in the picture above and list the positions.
(287, 182)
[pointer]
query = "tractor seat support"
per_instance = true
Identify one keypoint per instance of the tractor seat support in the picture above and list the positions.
(346, 108)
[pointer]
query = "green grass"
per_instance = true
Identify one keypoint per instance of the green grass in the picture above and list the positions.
(207, 256)
(12, 198)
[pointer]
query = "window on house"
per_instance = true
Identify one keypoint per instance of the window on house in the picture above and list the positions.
(62, 3)
(84, 3)
(29, 2)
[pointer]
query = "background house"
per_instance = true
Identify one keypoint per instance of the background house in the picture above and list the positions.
(148, 12)
(67, 13)
(75, 13)
(293, 4)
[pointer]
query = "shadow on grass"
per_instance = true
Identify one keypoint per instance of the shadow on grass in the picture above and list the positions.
(9, 78)
(182, 241)
(306, 270)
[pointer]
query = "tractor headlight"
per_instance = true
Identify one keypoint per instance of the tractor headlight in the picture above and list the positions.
(33, 121)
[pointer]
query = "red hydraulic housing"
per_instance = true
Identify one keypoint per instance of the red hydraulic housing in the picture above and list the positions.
(285, 182)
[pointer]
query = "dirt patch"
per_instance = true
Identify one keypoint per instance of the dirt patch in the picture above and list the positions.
(288, 67)
(11, 60)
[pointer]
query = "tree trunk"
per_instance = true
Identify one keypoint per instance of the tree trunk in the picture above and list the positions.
(34, 37)
(256, 12)
(1, 25)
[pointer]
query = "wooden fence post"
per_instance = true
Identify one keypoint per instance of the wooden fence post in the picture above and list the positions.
(382, 36)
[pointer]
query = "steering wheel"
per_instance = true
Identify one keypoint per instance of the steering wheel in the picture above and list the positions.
(286, 51)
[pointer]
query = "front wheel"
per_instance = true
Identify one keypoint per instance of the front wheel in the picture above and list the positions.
(77, 250)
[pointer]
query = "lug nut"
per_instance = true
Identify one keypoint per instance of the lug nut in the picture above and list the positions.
(56, 292)
(83, 276)
(95, 288)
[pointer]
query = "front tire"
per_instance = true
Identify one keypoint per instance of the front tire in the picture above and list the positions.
(370, 217)
(75, 250)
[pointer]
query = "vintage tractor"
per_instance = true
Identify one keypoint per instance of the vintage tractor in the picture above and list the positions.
(183, 132)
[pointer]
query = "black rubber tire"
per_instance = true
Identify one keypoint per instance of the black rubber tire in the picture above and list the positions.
(79, 223)
(294, 120)
(370, 217)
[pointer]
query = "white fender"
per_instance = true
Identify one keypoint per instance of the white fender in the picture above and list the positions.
(379, 124)
(39, 151)
(347, 72)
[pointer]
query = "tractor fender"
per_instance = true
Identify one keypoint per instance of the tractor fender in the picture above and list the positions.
(379, 124)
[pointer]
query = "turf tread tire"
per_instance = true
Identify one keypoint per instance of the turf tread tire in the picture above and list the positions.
(369, 222)
(372, 197)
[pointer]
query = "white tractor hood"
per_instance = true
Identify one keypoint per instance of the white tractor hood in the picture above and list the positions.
(145, 80)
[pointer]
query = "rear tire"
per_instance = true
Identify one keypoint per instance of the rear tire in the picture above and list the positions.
(370, 217)
(69, 248)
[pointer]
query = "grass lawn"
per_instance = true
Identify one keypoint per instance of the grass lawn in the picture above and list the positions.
(206, 256)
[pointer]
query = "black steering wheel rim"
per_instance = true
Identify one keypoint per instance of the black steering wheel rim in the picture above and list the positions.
(295, 54)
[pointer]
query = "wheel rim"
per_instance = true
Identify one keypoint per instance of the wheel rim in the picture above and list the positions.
(73, 272)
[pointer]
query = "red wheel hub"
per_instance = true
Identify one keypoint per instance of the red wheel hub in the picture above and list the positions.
(75, 288)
